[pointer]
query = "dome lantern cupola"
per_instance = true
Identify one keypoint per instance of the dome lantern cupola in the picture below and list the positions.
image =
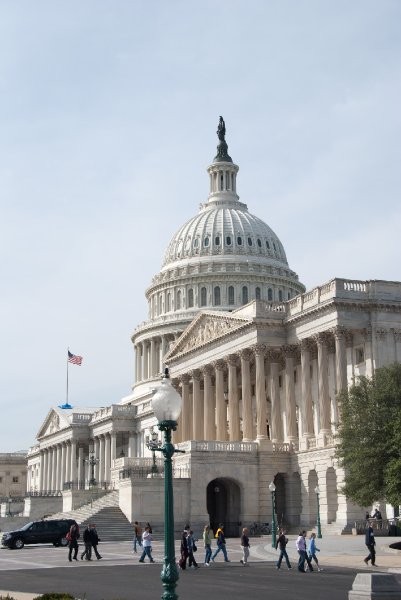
(223, 172)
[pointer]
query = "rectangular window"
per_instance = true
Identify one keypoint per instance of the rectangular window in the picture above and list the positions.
(359, 355)
(15, 479)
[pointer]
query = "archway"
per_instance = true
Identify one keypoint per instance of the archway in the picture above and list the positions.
(223, 497)
(332, 497)
(312, 483)
(282, 517)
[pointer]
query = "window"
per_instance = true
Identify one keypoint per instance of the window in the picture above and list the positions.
(228, 240)
(274, 246)
(280, 381)
(203, 297)
(249, 241)
(280, 296)
(270, 294)
(178, 305)
(245, 295)
(190, 298)
(206, 242)
(359, 355)
(239, 240)
(267, 245)
(289, 295)
(217, 240)
(15, 479)
(231, 295)
(259, 243)
(217, 301)
(257, 293)
(168, 307)
(196, 242)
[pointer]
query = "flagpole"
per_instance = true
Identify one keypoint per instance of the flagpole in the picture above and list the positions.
(67, 377)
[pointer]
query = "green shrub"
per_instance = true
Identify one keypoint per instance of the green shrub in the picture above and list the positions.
(7, 597)
(54, 596)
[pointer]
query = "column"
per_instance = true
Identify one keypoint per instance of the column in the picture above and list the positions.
(131, 444)
(289, 352)
(113, 446)
(233, 404)
(96, 448)
(308, 430)
(101, 459)
(186, 412)
(341, 359)
(81, 469)
(163, 352)
(177, 434)
(107, 453)
(49, 469)
(41, 469)
(197, 406)
(145, 361)
(277, 423)
(137, 355)
(221, 410)
(324, 401)
(73, 461)
(209, 426)
(260, 392)
(59, 468)
(247, 416)
(152, 368)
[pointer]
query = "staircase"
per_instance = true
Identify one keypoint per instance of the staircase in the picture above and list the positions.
(111, 523)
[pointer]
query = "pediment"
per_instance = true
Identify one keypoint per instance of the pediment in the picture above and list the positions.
(205, 329)
(56, 420)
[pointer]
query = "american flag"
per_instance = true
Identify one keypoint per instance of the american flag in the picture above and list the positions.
(74, 359)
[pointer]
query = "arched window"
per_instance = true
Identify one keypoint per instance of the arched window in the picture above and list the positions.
(280, 296)
(259, 243)
(178, 303)
(267, 245)
(245, 295)
(228, 240)
(195, 242)
(190, 298)
(203, 296)
(274, 246)
(159, 305)
(289, 295)
(217, 300)
(206, 242)
(270, 294)
(231, 295)
(249, 241)
(217, 240)
(168, 302)
(257, 293)
(239, 240)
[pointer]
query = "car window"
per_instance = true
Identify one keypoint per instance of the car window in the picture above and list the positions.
(38, 526)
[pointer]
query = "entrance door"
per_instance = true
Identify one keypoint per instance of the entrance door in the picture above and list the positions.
(223, 505)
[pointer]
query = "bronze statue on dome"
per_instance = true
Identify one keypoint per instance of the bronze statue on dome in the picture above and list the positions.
(221, 130)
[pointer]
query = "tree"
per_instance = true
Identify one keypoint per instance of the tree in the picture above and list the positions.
(369, 437)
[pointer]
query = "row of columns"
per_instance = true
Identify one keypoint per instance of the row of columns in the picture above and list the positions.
(206, 418)
(149, 355)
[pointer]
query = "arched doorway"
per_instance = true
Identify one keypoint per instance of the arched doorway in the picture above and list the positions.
(312, 483)
(280, 497)
(332, 497)
(223, 497)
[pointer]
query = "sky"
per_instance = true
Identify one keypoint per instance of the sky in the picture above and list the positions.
(108, 117)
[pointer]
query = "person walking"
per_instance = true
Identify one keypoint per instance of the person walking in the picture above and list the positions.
(95, 540)
(221, 543)
(312, 550)
(147, 545)
(281, 543)
(191, 549)
(303, 555)
(182, 563)
(245, 546)
(137, 535)
(88, 544)
(207, 541)
(370, 543)
(72, 537)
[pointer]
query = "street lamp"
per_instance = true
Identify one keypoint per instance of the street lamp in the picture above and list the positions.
(92, 462)
(319, 529)
(153, 445)
(166, 405)
(272, 489)
(9, 506)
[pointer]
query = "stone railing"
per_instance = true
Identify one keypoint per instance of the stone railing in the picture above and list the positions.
(115, 410)
(215, 446)
(135, 461)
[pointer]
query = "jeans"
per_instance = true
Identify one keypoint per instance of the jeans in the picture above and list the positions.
(94, 546)
(372, 553)
(221, 547)
(208, 553)
(283, 554)
(137, 540)
(191, 559)
(147, 551)
(245, 554)
(87, 552)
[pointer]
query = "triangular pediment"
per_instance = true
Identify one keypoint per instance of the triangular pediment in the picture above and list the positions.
(205, 329)
(56, 420)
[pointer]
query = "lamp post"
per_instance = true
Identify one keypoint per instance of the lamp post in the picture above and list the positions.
(272, 489)
(92, 461)
(9, 506)
(166, 405)
(319, 529)
(153, 445)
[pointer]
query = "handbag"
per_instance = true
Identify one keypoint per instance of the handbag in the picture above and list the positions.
(194, 547)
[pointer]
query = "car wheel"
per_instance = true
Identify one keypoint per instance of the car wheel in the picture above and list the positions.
(18, 544)
(63, 542)
(56, 544)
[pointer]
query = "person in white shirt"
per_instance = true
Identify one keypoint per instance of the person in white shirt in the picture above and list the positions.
(303, 555)
(147, 545)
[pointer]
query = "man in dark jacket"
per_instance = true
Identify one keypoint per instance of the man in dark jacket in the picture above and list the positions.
(88, 544)
(370, 542)
(281, 543)
(94, 540)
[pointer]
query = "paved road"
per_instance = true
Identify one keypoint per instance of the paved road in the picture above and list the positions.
(119, 576)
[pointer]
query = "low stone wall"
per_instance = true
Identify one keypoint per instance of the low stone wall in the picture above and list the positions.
(37, 507)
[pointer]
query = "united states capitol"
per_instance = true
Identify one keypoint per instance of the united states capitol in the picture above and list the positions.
(258, 361)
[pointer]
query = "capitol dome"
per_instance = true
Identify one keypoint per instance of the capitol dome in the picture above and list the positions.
(220, 259)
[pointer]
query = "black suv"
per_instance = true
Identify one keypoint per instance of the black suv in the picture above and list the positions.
(39, 532)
